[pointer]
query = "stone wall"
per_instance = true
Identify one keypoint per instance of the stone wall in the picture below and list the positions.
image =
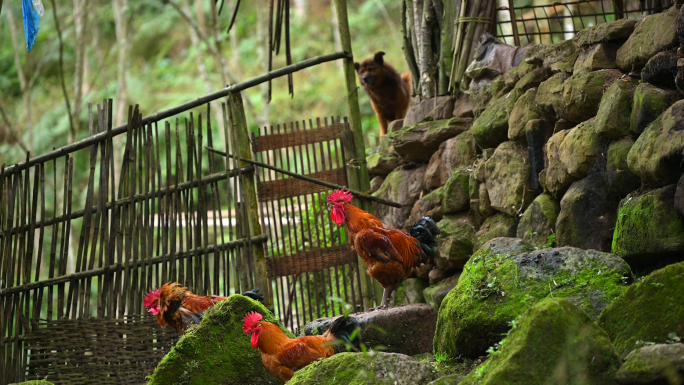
(580, 145)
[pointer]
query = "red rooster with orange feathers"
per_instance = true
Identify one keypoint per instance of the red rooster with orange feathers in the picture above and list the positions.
(389, 254)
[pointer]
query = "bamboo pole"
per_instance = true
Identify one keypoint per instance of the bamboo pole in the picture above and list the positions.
(249, 197)
(86, 142)
(353, 103)
(514, 23)
(308, 179)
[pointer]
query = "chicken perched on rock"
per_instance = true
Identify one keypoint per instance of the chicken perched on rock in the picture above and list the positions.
(389, 254)
(177, 307)
(282, 356)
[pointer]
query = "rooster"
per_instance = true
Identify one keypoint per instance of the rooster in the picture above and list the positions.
(389, 254)
(282, 356)
(176, 307)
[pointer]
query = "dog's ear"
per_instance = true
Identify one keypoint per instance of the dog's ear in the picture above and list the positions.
(378, 58)
(357, 66)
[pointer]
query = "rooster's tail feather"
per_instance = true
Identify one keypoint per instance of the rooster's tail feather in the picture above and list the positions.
(342, 329)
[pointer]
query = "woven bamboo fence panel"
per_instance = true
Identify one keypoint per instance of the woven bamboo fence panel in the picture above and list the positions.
(86, 232)
(309, 260)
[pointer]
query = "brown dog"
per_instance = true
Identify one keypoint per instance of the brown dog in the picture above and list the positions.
(390, 93)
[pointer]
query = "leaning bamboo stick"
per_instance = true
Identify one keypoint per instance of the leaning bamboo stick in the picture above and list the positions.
(312, 180)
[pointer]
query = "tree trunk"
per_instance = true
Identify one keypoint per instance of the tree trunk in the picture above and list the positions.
(427, 56)
(23, 82)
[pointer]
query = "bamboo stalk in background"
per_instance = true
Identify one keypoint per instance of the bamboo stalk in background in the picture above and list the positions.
(409, 54)
(427, 58)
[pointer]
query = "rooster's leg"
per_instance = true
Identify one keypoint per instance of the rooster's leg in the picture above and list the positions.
(387, 293)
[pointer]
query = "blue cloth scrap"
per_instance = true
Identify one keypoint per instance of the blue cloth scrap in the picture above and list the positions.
(31, 21)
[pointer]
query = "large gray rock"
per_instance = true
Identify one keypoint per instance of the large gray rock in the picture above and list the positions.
(429, 205)
(508, 179)
(455, 197)
(556, 57)
(463, 106)
(588, 213)
(582, 94)
(657, 154)
(596, 57)
(653, 34)
(661, 69)
(437, 108)
(652, 365)
(648, 227)
(523, 111)
(460, 151)
(434, 295)
(555, 342)
(417, 143)
(612, 118)
(649, 102)
(385, 160)
(557, 179)
(493, 58)
(479, 196)
(550, 94)
(620, 179)
(404, 186)
(362, 368)
(401, 329)
(456, 241)
(496, 287)
(491, 128)
(582, 150)
(497, 226)
(532, 79)
(539, 221)
(616, 30)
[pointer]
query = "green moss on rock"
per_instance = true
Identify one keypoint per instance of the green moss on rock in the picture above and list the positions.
(612, 118)
(364, 368)
(555, 342)
(582, 94)
(615, 30)
(651, 35)
(648, 311)
(649, 102)
(550, 93)
(620, 179)
(455, 196)
(411, 291)
(434, 295)
(538, 222)
(523, 112)
(508, 178)
(648, 226)
(491, 127)
(495, 289)
(499, 225)
(456, 242)
(217, 351)
(419, 141)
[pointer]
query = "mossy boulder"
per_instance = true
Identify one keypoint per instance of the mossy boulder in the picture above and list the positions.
(532, 79)
(411, 291)
(429, 205)
(648, 227)
(491, 128)
(495, 289)
(550, 94)
(523, 112)
(557, 179)
(434, 295)
(649, 102)
(537, 133)
(582, 94)
(538, 222)
(496, 226)
(488, 92)
(620, 179)
(612, 118)
(587, 215)
(661, 69)
(217, 351)
(656, 364)
(616, 30)
(400, 329)
(582, 149)
(381, 164)
(460, 151)
(456, 241)
(596, 57)
(555, 342)
(418, 142)
(657, 154)
(451, 379)
(648, 311)
(35, 382)
(556, 57)
(651, 35)
(455, 196)
(364, 368)
(404, 186)
(508, 179)
(437, 108)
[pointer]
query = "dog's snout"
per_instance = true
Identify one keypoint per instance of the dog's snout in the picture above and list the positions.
(367, 79)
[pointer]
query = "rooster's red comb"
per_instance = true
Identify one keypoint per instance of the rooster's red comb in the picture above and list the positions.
(151, 296)
(340, 194)
(250, 319)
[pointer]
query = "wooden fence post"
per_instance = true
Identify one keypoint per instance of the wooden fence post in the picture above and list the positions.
(244, 149)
